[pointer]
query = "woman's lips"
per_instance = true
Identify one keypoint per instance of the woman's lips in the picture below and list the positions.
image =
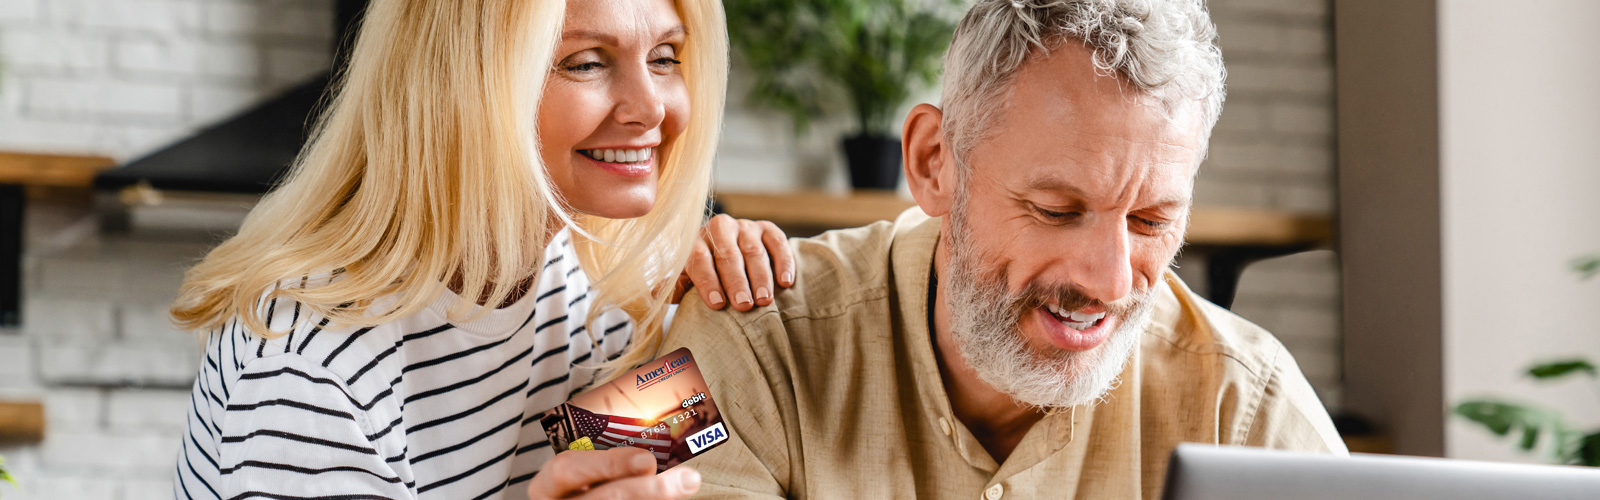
(632, 169)
(1065, 337)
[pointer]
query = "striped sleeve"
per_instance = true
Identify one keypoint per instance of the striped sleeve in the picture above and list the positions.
(292, 430)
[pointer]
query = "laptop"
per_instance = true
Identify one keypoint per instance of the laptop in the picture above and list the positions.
(1206, 472)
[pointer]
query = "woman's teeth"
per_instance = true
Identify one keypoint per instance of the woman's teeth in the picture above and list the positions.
(1075, 320)
(618, 155)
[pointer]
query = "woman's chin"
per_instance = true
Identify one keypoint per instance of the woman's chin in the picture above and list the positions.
(618, 205)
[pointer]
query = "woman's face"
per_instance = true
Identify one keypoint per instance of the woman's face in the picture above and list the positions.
(613, 104)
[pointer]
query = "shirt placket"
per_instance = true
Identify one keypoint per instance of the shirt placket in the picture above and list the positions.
(1048, 436)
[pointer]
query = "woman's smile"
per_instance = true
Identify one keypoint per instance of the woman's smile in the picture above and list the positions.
(626, 162)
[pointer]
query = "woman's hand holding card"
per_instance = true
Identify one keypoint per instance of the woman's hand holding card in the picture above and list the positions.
(622, 472)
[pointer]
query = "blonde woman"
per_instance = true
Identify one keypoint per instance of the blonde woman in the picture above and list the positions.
(388, 323)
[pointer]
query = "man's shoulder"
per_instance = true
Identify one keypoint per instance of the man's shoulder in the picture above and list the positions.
(1200, 355)
(844, 279)
(835, 271)
(1187, 325)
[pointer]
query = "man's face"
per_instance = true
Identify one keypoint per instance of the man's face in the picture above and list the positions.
(1069, 214)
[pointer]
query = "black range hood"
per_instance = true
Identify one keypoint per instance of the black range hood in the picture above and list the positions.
(246, 154)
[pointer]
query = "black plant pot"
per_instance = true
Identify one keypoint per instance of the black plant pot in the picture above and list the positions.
(874, 161)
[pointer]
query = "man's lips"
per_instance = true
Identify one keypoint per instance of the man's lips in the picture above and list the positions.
(1063, 332)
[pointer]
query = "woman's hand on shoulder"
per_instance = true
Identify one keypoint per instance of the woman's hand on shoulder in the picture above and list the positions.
(738, 261)
(611, 474)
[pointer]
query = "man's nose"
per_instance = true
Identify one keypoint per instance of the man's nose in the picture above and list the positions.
(1099, 262)
(638, 99)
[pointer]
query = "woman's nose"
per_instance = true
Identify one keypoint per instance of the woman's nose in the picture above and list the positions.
(638, 99)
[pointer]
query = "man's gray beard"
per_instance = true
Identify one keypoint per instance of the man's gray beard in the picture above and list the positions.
(986, 320)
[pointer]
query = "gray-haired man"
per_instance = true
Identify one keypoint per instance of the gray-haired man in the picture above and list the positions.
(1028, 341)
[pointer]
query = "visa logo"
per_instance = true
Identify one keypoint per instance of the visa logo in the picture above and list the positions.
(704, 439)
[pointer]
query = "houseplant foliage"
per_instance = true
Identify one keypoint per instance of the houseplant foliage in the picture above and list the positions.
(1531, 424)
(807, 57)
(6, 476)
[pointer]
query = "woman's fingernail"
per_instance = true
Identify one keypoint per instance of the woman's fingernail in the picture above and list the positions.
(643, 462)
(716, 299)
(788, 278)
(742, 298)
(763, 294)
(691, 480)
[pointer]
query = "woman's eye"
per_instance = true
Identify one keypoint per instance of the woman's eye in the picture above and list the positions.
(583, 67)
(664, 57)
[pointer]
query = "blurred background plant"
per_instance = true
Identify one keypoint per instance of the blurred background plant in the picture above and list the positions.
(806, 57)
(1567, 446)
(6, 476)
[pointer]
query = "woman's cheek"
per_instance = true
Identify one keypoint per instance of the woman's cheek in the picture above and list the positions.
(677, 109)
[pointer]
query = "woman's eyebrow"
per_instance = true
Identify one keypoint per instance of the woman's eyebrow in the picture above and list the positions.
(610, 39)
(606, 38)
(675, 31)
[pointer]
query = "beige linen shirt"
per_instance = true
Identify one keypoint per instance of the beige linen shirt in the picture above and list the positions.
(834, 391)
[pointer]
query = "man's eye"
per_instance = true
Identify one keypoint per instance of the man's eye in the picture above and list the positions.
(1151, 224)
(1055, 216)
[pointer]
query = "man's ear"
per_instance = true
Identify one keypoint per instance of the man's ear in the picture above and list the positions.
(929, 163)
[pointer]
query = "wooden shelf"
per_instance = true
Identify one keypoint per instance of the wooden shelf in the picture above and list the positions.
(1207, 225)
(21, 421)
(32, 169)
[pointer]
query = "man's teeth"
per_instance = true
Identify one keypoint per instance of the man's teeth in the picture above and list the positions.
(618, 155)
(1074, 319)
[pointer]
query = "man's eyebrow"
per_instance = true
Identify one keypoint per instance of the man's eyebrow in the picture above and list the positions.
(1054, 184)
(1175, 203)
(1050, 183)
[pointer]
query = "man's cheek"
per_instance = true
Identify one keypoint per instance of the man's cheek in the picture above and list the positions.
(1149, 263)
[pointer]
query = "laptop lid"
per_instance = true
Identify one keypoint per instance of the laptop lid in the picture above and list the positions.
(1206, 472)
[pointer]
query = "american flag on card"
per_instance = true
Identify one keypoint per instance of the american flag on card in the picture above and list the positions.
(614, 431)
(663, 406)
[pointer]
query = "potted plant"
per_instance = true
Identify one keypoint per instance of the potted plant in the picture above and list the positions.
(806, 56)
(1567, 445)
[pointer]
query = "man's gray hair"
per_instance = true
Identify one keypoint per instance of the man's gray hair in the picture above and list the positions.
(1165, 47)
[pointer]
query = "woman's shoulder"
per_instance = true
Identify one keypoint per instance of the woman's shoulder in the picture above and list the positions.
(299, 337)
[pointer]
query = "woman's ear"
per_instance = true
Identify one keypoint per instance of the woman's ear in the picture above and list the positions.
(930, 166)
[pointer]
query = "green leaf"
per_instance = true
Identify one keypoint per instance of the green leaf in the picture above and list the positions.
(1587, 452)
(1560, 369)
(1498, 417)
(1587, 266)
(1530, 438)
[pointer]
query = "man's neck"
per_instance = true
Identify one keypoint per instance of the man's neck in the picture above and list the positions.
(996, 420)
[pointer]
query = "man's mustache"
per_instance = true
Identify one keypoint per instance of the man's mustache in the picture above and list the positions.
(1070, 298)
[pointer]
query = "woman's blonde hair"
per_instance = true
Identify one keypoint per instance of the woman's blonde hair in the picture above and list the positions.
(425, 170)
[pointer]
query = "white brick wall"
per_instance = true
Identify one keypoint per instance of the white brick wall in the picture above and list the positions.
(120, 77)
(1273, 149)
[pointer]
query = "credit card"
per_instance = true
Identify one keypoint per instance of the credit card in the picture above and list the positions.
(664, 407)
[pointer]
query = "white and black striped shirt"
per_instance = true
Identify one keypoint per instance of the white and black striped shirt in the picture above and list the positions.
(417, 408)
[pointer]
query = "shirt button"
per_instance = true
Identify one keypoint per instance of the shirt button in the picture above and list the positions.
(994, 492)
(944, 424)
